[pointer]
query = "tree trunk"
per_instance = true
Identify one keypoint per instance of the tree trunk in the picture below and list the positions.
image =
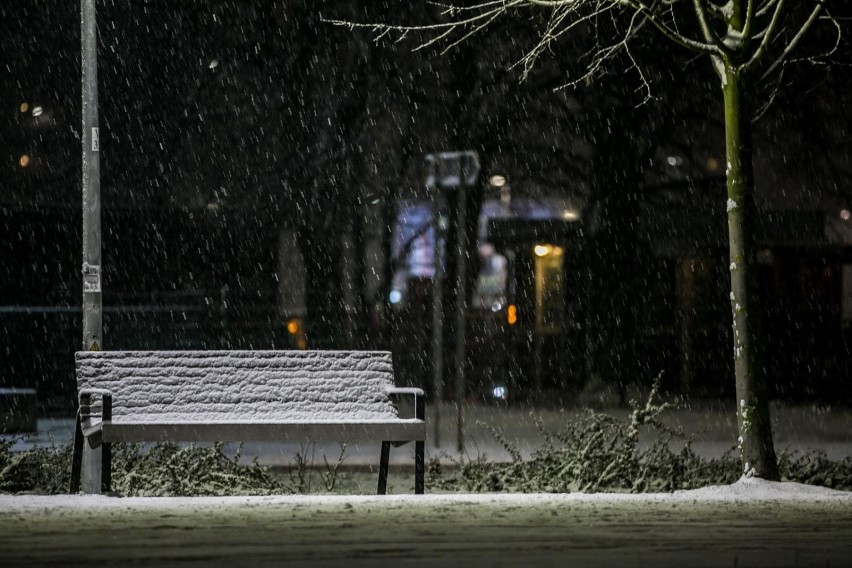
(755, 442)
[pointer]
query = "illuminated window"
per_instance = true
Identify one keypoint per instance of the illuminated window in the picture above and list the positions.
(549, 288)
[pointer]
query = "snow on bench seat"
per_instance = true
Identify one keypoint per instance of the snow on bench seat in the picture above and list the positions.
(242, 386)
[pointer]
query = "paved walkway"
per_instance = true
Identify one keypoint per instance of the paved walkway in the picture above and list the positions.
(624, 531)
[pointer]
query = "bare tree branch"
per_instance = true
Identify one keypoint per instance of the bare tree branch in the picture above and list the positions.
(566, 17)
(667, 31)
(768, 34)
(763, 10)
(796, 39)
(709, 36)
(749, 19)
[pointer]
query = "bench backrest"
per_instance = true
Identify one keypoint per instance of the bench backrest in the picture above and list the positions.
(241, 386)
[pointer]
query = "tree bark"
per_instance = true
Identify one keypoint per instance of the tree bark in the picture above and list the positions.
(757, 451)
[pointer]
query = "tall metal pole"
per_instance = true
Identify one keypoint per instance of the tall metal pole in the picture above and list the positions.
(461, 310)
(452, 170)
(92, 301)
(437, 314)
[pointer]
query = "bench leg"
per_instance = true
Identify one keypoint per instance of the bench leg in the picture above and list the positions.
(77, 457)
(383, 469)
(419, 467)
(106, 468)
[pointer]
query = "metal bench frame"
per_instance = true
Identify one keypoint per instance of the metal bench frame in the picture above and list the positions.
(103, 433)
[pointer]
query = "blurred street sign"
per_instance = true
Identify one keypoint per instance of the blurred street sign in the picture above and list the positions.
(452, 169)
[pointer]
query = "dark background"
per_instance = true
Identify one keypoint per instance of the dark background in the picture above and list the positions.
(225, 125)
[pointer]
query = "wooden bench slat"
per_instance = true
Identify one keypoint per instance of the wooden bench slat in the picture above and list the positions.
(255, 385)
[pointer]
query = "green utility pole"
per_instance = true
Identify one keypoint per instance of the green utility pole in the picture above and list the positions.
(92, 300)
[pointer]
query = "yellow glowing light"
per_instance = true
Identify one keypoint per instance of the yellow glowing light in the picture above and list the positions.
(293, 327)
(512, 314)
(24, 107)
(24, 161)
(542, 250)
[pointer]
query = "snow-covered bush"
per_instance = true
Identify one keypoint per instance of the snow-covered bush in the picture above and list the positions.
(172, 469)
(597, 452)
(38, 470)
(814, 468)
(162, 469)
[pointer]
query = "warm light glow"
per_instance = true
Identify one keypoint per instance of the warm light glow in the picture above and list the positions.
(512, 314)
(293, 327)
(24, 161)
(570, 215)
(24, 107)
(542, 250)
(712, 165)
(845, 214)
(497, 180)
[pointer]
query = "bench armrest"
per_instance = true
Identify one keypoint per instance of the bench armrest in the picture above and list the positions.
(419, 399)
(88, 410)
(91, 391)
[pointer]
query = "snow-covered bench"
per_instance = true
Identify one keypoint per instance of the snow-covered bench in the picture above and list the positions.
(231, 396)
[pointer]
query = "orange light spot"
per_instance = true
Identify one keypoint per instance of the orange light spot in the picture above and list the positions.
(512, 314)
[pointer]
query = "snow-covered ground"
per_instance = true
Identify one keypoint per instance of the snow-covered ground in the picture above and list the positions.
(746, 490)
(749, 523)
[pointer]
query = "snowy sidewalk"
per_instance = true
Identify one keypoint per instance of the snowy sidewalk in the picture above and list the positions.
(750, 523)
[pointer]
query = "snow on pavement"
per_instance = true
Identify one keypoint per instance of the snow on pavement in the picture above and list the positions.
(751, 523)
(744, 490)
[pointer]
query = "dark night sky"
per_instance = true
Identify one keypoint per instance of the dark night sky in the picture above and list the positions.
(205, 95)
(221, 120)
